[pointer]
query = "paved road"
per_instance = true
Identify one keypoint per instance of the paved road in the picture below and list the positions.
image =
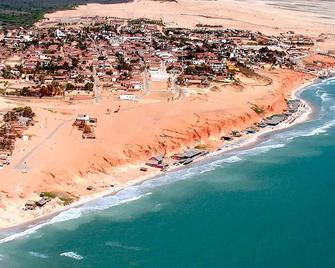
(21, 165)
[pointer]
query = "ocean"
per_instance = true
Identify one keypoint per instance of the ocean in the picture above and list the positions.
(271, 205)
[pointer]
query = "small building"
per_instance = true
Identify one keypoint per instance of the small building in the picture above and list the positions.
(262, 124)
(83, 117)
(25, 137)
(30, 205)
(249, 130)
(81, 120)
(227, 138)
(130, 97)
(189, 154)
(90, 135)
(155, 161)
(25, 121)
(274, 120)
(293, 105)
(42, 202)
(236, 134)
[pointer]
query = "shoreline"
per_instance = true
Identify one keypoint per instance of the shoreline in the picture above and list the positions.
(236, 145)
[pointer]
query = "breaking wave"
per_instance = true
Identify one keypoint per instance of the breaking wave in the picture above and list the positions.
(320, 130)
(72, 255)
(325, 97)
(232, 159)
(71, 214)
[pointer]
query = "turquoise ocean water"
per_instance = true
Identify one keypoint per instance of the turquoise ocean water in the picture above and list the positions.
(272, 205)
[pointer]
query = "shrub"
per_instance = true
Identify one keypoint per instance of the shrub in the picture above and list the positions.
(257, 109)
(48, 195)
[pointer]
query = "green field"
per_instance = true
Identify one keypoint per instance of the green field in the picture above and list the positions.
(25, 12)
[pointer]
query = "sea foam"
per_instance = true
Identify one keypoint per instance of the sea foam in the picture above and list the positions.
(320, 130)
(70, 214)
(72, 255)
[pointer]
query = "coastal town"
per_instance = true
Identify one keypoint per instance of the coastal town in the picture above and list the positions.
(75, 85)
(78, 60)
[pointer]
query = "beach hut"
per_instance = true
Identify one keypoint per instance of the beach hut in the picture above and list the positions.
(249, 131)
(42, 202)
(227, 138)
(155, 161)
(274, 120)
(30, 205)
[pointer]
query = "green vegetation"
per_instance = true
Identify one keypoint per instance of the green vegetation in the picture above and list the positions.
(27, 12)
(24, 111)
(50, 195)
(13, 115)
(257, 109)
(203, 146)
(89, 86)
(145, 21)
(200, 25)
(66, 198)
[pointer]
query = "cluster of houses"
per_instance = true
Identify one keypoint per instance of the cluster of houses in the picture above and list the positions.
(187, 157)
(271, 121)
(13, 125)
(86, 124)
(66, 60)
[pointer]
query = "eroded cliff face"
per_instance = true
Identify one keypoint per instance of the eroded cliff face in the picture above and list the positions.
(199, 126)
(67, 164)
(128, 139)
(200, 131)
(202, 128)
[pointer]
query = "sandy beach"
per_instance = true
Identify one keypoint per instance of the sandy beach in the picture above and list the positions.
(205, 118)
(245, 142)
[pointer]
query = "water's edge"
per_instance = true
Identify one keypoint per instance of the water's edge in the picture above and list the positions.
(125, 195)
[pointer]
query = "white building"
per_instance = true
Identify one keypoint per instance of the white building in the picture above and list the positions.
(130, 97)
